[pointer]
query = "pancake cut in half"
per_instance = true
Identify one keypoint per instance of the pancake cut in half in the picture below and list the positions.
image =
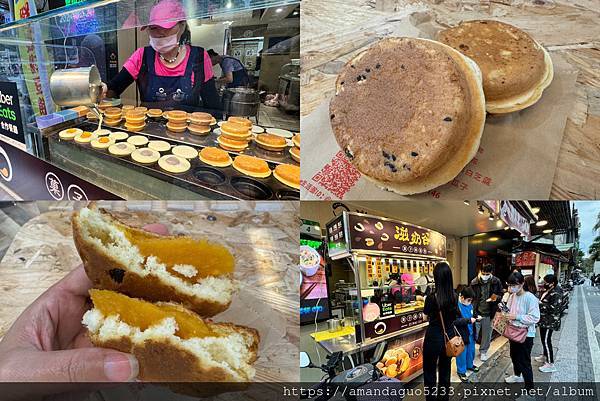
(194, 272)
(170, 342)
(515, 68)
(409, 113)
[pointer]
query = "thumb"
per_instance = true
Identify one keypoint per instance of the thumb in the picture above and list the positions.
(81, 365)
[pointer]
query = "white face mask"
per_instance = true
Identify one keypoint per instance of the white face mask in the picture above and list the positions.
(486, 277)
(465, 302)
(164, 44)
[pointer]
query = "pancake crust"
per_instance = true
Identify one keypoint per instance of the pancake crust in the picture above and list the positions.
(512, 63)
(406, 107)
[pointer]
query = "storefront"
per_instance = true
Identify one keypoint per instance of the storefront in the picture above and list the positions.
(261, 37)
(379, 265)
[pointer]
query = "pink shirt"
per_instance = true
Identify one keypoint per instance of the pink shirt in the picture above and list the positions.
(134, 63)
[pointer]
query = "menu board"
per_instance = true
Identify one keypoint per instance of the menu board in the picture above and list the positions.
(371, 233)
(337, 244)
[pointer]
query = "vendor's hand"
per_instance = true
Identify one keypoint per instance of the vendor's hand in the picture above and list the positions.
(104, 90)
(48, 343)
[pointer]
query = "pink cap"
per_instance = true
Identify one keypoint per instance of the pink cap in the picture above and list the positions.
(166, 14)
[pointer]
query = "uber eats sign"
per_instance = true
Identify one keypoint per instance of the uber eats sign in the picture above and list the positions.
(11, 127)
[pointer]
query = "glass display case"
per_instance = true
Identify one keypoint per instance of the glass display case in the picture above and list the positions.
(109, 33)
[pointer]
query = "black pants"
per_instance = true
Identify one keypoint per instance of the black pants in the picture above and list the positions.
(434, 361)
(520, 354)
(547, 344)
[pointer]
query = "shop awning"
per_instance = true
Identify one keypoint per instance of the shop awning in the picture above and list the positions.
(562, 218)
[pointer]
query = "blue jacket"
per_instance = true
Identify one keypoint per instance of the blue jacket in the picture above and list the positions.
(464, 325)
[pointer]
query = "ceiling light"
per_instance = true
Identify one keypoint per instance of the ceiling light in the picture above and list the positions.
(541, 223)
(295, 13)
(493, 239)
(535, 210)
(548, 231)
(279, 10)
(480, 209)
(500, 223)
(491, 217)
(467, 203)
(506, 228)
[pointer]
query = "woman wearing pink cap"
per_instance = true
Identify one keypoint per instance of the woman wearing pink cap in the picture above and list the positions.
(170, 73)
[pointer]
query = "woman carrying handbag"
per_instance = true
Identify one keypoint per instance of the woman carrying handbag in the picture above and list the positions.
(442, 340)
(524, 313)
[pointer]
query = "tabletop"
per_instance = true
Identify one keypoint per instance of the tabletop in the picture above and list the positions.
(569, 28)
(263, 239)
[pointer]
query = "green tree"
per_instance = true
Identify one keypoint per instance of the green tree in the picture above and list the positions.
(594, 249)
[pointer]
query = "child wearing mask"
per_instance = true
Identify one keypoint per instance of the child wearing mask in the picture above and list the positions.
(465, 360)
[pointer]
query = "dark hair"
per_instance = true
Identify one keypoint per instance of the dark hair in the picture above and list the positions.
(212, 53)
(467, 293)
(394, 276)
(186, 36)
(515, 278)
(487, 268)
(551, 279)
(530, 285)
(444, 287)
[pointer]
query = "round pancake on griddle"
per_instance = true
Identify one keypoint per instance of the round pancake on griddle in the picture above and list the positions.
(514, 66)
(409, 113)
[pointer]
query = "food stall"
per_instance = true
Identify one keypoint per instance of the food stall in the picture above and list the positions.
(117, 145)
(393, 265)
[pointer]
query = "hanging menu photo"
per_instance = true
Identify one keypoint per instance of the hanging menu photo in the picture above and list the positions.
(11, 126)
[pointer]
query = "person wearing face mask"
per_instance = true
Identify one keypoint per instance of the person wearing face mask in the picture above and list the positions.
(524, 311)
(464, 361)
(170, 73)
(488, 293)
(550, 315)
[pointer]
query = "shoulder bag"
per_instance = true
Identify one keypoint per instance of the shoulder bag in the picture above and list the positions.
(455, 345)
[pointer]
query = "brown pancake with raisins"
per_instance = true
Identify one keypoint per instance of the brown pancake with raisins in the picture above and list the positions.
(514, 66)
(409, 113)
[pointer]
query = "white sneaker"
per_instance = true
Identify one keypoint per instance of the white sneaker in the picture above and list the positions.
(514, 379)
(483, 356)
(547, 368)
(540, 358)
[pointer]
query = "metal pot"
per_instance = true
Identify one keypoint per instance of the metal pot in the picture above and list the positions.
(76, 86)
(334, 325)
(241, 102)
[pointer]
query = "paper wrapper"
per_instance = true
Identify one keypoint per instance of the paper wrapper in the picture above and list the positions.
(516, 159)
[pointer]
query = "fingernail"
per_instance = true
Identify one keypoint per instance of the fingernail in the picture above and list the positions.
(119, 367)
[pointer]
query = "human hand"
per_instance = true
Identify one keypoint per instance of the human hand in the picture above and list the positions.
(48, 343)
(473, 320)
(510, 316)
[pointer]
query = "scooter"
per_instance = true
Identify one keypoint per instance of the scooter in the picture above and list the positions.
(352, 384)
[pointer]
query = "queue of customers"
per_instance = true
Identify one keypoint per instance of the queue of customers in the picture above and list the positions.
(472, 312)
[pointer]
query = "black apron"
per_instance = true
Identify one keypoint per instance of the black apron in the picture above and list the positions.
(169, 92)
